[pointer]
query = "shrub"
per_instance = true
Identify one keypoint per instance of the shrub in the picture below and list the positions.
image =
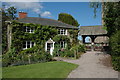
(115, 44)
(81, 48)
(115, 50)
(116, 62)
(9, 57)
(69, 53)
(75, 51)
(28, 56)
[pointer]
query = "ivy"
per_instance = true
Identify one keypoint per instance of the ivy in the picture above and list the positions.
(40, 36)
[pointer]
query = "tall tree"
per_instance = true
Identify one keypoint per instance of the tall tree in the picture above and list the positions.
(11, 11)
(67, 18)
(111, 19)
(4, 31)
(110, 15)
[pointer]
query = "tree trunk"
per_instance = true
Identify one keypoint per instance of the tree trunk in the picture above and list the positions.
(9, 36)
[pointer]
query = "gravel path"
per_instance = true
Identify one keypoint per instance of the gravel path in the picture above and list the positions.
(92, 65)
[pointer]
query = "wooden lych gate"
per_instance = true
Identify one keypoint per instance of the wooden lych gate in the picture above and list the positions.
(98, 38)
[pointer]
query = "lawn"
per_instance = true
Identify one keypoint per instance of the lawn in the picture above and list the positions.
(55, 69)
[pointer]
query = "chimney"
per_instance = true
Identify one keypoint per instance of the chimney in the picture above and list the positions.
(22, 15)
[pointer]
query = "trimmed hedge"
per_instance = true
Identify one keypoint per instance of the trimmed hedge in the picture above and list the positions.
(115, 50)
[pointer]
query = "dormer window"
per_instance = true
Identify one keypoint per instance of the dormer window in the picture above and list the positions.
(29, 29)
(62, 31)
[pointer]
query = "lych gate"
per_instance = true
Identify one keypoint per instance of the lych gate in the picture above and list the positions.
(98, 35)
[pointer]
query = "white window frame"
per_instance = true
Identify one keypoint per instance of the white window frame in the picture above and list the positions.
(26, 43)
(62, 43)
(62, 31)
(31, 31)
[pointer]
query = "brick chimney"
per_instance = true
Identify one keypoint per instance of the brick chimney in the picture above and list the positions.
(22, 15)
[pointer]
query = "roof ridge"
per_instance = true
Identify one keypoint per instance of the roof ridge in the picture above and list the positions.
(53, 20)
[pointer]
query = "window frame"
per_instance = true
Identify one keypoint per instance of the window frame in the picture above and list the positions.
(31, 44)
(31, 30)
(62, 31)
(62, 44)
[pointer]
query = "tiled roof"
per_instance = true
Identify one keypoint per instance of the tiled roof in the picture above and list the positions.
(92, 30)
(44, 21)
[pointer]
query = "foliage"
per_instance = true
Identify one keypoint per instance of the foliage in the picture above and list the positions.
(31, 55)
(115, 44)
(74, 36)
(28, 56)
(95, 5)
(65, 38)
(56, 50)
(11, 11)
(68, 19)
(116, 62)
(77, 49)
(74, 51)
(9, 57)
(56, 69)
(4, 32)
(111, 18)
(40, 35)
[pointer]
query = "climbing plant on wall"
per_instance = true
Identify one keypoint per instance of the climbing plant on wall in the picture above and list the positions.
(65, 38)
(40, 35)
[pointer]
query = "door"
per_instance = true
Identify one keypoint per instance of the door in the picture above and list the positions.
(50, 48)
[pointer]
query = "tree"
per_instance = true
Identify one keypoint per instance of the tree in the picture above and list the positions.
(11, 11)
(7, 15)
(95, 5)
(110, 15)
(4, 32)
(68, 19)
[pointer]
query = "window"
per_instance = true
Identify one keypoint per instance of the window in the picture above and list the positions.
(62, 44)
(29, 30)
(62, 31)
(28, 44)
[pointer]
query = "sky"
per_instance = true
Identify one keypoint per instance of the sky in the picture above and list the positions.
(81, 11)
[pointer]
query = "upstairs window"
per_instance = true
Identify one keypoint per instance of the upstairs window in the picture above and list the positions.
(62, 31)
(29, 29)
(28, 44)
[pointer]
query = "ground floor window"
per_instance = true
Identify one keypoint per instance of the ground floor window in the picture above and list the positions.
(62, 44)
(28, 44)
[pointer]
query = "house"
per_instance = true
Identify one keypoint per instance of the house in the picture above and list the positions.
(61, 27)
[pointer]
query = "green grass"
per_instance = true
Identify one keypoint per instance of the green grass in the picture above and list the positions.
(55, 69)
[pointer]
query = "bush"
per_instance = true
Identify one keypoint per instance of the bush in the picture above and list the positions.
(81, 48)
(115, 44)
(115, 50)
(69, 53)
(116, 62)
(75, 51)
(28, 56)
(9, 57)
